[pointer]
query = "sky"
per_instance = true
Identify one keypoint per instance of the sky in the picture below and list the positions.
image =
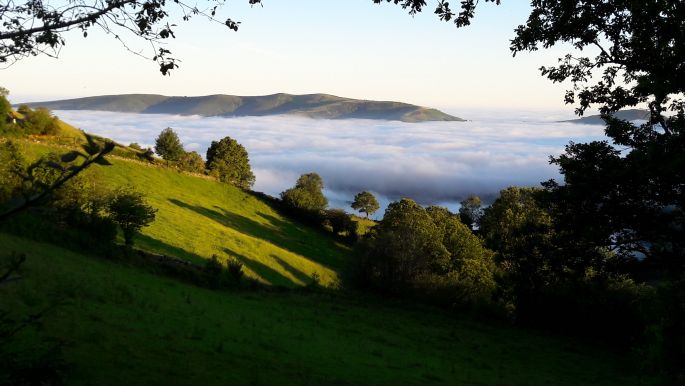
(350, 48)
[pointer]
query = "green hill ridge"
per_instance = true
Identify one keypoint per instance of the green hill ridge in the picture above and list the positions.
(200, 217)
(320, 106)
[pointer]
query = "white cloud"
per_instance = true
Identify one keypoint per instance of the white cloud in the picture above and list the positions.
(437, 162)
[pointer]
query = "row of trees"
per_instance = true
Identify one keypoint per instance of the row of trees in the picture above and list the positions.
(227, 160)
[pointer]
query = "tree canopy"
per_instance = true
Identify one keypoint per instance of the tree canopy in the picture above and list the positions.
(168, 145)
(307, 194)
(365, 202)
(130, 211)
(229, 162)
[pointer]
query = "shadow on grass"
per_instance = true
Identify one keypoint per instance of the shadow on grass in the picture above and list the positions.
(299, 275)
(267, 273)
(153, 245)
(286, 235)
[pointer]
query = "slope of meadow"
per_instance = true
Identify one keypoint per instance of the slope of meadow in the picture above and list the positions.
(198, 217)
(119, 325)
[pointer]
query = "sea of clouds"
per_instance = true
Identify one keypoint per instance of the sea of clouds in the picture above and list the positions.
(433, 162)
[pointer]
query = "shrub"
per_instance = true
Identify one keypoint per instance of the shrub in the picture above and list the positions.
(235, 268)
(129, 210)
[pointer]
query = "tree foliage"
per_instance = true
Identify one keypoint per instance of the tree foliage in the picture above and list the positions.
(229, 162)
(307, 194)
(471, 211)
(366, 203)
(192, 162)
(168, 145)
(130, 211)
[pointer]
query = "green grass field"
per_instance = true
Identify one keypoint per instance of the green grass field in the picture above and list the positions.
(117, 325)
(199, 217)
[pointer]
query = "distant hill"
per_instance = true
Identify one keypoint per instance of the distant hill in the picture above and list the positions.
(321, 106)
(628, 115)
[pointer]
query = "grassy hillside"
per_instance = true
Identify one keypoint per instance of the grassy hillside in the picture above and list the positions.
(310, 105)
(120, 326)
(199, 217)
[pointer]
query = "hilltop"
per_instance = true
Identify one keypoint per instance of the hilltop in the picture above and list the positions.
(320, 106)
(627, 115)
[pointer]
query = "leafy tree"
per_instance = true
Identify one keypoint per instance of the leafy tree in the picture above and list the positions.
(192, 162)
(626, 195)
(135, 146)
(168, 145)
(307, 194)
(405, 245)
(130, 211)
(471, 211)
(520, 231)
(228, 161)
(365, 202)
(471, 271)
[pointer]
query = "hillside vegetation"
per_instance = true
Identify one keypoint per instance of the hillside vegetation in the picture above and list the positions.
(312, 105)
(199, 217)
(118, 325)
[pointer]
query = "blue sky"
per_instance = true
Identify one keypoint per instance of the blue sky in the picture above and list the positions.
(351, 48)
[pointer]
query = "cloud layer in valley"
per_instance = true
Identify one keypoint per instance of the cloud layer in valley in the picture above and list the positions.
(437, 162)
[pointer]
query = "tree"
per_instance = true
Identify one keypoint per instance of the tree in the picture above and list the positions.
(471, 211)
(228, 161)
(192, 162)
(520, 232)
(405, 245)
(129, 210)
(307, 194)
(168, 145)
(626, 195)
(365, 202)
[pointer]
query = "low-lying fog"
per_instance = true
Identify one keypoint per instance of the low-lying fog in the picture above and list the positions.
(434, 163)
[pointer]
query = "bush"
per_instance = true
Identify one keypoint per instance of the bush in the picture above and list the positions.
(235, 268)
(129, 210)
(191, 162)
(341, 223)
